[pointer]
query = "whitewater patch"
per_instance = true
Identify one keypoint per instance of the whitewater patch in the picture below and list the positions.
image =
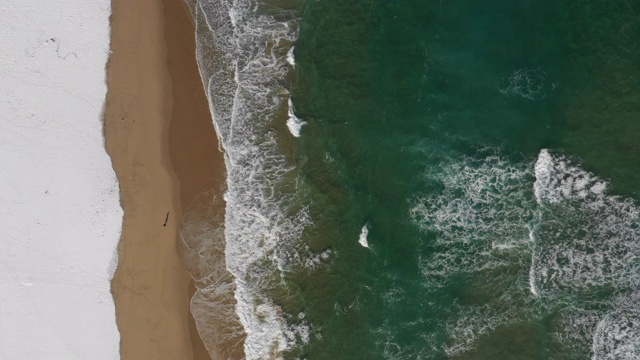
(558, 180)
(363, 236)
(545, 233)
(475, 194)
(587, 239)
(245, 54)
(617, 335)
(293, 122)
(291, 57)
(479, 219)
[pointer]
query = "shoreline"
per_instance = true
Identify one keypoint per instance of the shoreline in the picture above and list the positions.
(198, 160)
(151, 287)
(192, 142)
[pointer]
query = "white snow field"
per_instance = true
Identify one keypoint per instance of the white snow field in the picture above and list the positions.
(60, 216)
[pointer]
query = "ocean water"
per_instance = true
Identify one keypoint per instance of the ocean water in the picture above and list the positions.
(428, 180)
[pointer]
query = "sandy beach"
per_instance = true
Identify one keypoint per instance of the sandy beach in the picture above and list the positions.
(164, 150)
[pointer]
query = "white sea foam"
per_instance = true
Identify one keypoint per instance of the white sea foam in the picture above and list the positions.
(567, 237)
(481, 220)
(310, 260)
(571, 330)
(243, 58)
(363, 236)
(61, 218)
(478, 198)
(617, 335)
(293, 123)
(474, 322)
(558, 180)
(588, 241)
(291, 57)
(532, 273)
(586, 238)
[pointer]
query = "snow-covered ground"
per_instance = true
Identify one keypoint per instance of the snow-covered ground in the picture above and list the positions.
(60, 217)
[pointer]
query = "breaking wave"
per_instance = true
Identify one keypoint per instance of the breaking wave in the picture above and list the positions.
(362, 239)
(244, 51)
(536, 241)
(293, 122)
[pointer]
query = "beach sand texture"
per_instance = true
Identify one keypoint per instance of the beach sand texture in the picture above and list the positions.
(164, 150)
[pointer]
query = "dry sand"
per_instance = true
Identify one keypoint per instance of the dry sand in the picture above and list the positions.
(159, 134)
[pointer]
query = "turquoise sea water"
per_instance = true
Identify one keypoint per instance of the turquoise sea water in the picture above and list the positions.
(486, 153)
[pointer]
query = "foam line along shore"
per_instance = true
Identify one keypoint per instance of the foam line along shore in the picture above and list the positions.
(245, 59)
(199, 165)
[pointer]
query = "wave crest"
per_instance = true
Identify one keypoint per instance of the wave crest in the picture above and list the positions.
(534, 241)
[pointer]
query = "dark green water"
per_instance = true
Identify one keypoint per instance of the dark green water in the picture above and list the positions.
(426, 122)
